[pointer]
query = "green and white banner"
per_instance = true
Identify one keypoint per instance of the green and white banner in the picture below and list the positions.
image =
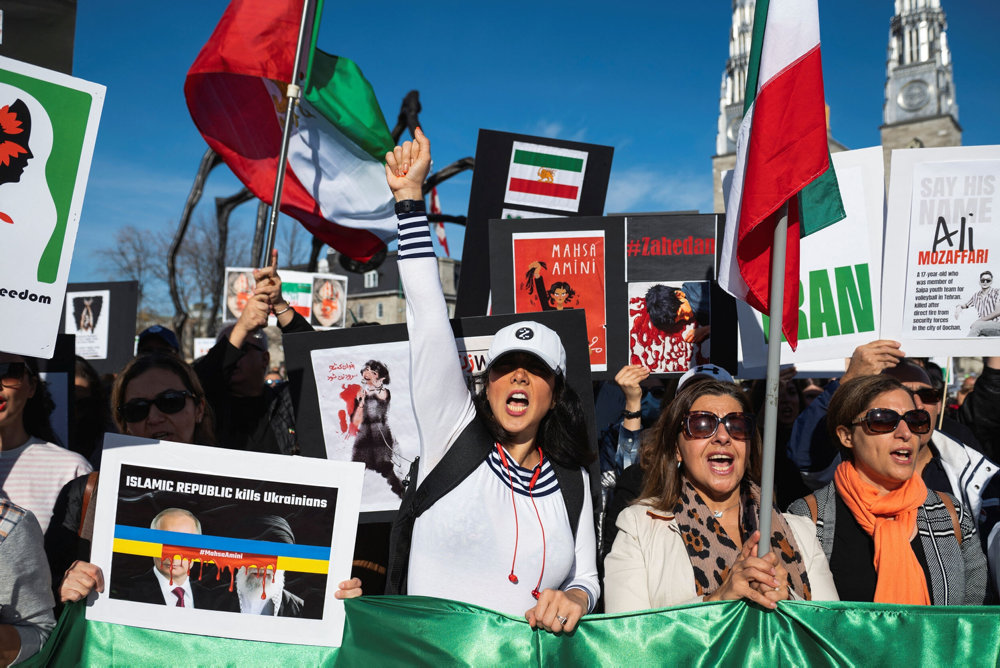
(840, 269)
(48, 127)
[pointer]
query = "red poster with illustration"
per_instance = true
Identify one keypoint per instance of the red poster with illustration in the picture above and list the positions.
(564, 270)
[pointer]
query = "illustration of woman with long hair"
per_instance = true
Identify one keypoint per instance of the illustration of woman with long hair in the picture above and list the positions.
(557, 297)
(374, 444)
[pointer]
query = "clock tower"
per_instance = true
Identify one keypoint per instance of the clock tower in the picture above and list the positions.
(920, 107)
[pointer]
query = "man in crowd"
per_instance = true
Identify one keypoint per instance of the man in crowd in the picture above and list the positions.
(158, 339)
(251, 415)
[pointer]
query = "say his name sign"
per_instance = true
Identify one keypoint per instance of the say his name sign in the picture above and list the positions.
(939, 292)
(48, 126)
(840, 276)
(192, 540)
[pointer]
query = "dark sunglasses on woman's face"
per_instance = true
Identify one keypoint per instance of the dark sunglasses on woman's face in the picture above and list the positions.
(11, 374)
(703, 424)
(885, 420)
(168, 402)
(928, 395)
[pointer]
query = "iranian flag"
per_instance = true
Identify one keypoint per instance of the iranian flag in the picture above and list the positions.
(545, 176)
(235, 90)
(781, 149)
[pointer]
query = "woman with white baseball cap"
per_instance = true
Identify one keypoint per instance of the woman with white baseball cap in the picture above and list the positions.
(498, 512)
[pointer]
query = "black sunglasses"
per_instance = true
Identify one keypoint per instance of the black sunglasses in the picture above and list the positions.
(703, 424)
(885, 420)
(11, 374)
(928, 395)
(168, 401)
(985, 280)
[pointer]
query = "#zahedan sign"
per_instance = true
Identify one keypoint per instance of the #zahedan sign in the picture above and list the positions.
(48, 127)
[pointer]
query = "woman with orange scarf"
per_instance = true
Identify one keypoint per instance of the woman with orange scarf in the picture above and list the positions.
(888, 538)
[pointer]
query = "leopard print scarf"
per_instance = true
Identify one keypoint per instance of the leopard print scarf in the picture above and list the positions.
(712, 552)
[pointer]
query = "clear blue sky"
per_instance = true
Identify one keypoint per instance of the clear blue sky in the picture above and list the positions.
(641, 77)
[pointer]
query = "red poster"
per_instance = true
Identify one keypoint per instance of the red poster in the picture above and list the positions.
(564, 270)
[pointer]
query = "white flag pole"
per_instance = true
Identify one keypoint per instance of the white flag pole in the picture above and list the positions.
(776, 303)
(293, 95)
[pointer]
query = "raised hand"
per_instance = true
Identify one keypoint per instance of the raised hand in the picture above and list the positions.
(407, 166)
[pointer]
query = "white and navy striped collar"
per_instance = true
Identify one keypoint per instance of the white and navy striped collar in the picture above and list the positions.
(521, 477)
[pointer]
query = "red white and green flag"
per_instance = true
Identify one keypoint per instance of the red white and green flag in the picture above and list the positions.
(235, 90)
(782, 156)
(545, 176)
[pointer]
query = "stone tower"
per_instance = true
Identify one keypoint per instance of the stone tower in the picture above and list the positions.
(731, 96)
(920, 107)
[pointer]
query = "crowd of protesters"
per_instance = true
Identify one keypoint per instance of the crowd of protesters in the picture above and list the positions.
(885, 489)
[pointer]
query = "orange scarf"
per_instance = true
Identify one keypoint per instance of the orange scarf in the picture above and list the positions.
(890, 521)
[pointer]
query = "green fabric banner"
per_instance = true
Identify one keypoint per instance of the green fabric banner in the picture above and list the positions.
(399, 630)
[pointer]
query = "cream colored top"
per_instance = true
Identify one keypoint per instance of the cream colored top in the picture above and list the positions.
(649, 568)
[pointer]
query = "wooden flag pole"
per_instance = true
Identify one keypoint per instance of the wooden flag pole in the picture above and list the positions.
(293, 95)
(776, 303)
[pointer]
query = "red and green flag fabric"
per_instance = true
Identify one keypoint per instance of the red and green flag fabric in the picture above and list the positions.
(335, 183)
(545, 176)
(782, 156)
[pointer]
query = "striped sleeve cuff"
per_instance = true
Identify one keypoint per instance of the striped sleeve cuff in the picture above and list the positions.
(414, 236)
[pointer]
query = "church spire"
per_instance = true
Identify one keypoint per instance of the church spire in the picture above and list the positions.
(919, 82)
(734, 79)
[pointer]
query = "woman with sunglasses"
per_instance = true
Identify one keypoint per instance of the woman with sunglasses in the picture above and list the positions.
(499, 511)
(157, 396)
(33, 469)
(692, 535)
(888, 538)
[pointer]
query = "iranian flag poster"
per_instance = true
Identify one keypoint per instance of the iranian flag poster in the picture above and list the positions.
(545, 176)
(556, 271)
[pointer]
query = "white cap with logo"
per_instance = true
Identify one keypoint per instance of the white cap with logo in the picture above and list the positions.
(529, 337)
(713, 371)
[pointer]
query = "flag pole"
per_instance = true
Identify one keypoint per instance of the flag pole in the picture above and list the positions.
(293, 95)
(776, 304)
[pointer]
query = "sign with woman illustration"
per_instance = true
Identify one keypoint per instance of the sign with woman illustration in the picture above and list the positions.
(564, 270)
(48, 126)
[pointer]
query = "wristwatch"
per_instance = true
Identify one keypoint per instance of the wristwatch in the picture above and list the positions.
(410, 206)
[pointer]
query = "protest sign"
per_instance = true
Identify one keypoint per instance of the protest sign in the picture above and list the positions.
(202, 344)
(524, 177)
(319, 298)
(102, 318)
(939, 293)
(840, 277)
(352, 392)
(48, 122)
(609, 266)
(59, 374)
(191, 539)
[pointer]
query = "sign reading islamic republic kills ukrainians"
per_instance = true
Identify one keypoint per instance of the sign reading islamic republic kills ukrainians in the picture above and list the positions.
(545, 176)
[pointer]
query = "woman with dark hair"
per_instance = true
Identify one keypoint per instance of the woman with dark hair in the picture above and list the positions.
(555, 298)
(498, 512)
(692, 535)
(888, 538)
(33, 469)
(91, 417)
(374, 444)
(157, 396)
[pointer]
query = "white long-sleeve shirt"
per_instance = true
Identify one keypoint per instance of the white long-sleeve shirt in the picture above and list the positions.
(463, 546)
